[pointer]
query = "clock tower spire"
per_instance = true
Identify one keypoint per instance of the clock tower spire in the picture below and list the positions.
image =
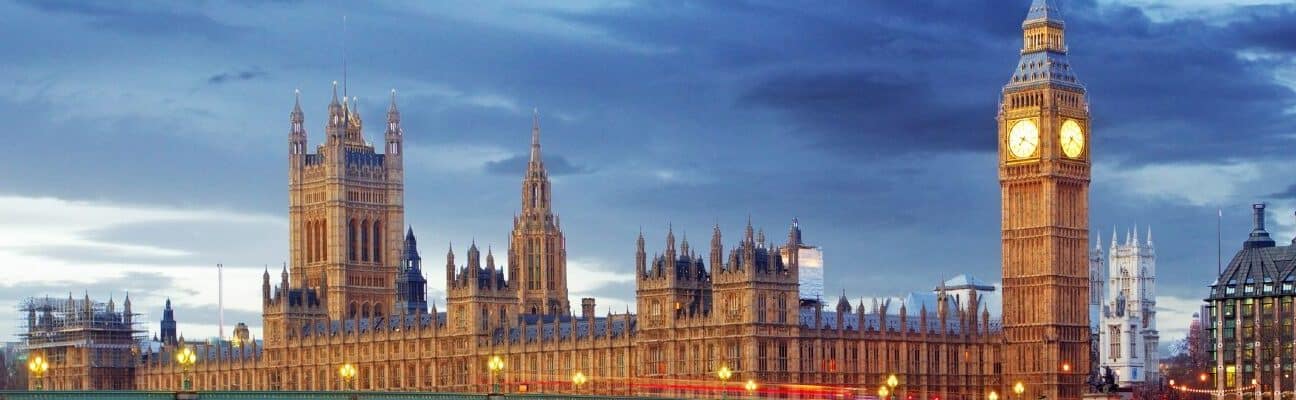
(1044, 174)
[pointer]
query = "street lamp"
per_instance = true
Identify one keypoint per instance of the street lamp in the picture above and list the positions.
(186, 357)
(1019, 388)
(993, 395)
(348, 373)
(891, 383)
(578, 379)
(38, 366)
(883, 392)
(724, 374)
(751, 388)
(496, 364)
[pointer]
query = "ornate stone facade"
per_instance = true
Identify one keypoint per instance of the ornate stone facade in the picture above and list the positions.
(737, 309)
(1126, 319)
(1044, 173)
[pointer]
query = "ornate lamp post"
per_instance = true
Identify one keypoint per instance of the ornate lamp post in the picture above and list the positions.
(38, 366)
(993, 395)
(883, 392)
(751, 388)
(1019, 388)
(495, 365)
(578, 380)
(724, 374)
(891, 383)
(186, 358)
(348, 373)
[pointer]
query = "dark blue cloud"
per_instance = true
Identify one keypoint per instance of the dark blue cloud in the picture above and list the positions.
(140, 18)
(873, 122)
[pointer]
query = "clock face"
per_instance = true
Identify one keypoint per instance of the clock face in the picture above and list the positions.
(1071, 136)
(1023, 139)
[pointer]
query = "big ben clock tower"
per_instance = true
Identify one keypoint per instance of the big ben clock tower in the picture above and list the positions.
(1044, 172)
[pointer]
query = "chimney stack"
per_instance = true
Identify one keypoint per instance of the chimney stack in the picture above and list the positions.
(587, 308)
(1259, 236)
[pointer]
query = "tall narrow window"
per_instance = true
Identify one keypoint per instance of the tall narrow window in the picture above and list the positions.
(321, 227)
(351, 240)
(308, 240)
(364, 240)
(377, 242)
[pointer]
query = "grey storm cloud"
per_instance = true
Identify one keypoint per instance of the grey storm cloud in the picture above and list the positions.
(140, 284)
(235, 76)
(516, 166)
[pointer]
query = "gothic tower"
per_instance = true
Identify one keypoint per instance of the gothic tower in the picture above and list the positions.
(1128, 338)
(1044, 173)
(411, 286)
(537, 248)
(346, 211)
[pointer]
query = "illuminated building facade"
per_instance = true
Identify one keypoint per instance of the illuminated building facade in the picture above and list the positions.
(1125, 275)
(339, 302)
(1044, 173)
(1248, 318)
(737, 309)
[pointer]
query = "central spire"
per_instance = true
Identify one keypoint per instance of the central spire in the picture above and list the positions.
(535, 137)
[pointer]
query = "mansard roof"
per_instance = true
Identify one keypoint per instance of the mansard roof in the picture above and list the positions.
(1043, 67)
(560, 327)
(1256, 272)
(364, 158)
(219, 350)
(965, 281)
(1260, 268)
(682, 267)
(872, 322)
(762, 258)
(352, 326)
(303, 296)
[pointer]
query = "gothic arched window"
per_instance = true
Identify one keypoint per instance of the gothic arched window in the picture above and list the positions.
(351, 240)
(364, 240)
(377, 241)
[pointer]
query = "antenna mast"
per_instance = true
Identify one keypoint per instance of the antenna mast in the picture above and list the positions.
(344, 56)
(220, 299)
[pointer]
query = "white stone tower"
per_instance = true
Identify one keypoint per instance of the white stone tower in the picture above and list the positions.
(1127, 331)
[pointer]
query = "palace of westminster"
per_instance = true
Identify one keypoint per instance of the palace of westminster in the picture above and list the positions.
(353, 291)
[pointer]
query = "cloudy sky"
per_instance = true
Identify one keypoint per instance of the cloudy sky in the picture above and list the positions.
(146, 142)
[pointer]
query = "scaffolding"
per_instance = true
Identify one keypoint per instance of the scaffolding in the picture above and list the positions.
(89, 344)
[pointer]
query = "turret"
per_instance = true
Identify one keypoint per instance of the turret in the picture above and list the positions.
(641, 262)
(297, 132)
(336, 118)
(395, 135)
(126, 310)
(490, 270)
(168, 325)
(283, 279)
(450, 267)
(474, 264)
(265, 287)
(717, 250)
